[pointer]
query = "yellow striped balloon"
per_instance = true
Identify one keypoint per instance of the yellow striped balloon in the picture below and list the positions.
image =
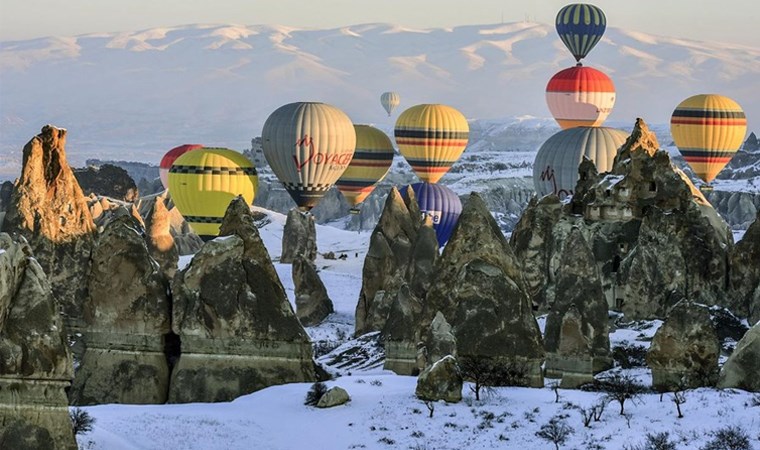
(203, 182)
(708, 130)
(372, 160)
(431, 138)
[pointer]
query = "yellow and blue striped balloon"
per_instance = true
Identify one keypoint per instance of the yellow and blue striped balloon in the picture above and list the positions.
(580, 26)
(708, 129)
(431, 138)
(203, 182)
(372, 160)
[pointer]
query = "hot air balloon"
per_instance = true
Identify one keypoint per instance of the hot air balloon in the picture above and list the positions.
(431, 138)
(390, 100)
(439, 203)
(372, 160)
(708, 129)
(580, 26)
(309, 146)
(580, 96)
(204, 181)
(170, 157)
(555, 170)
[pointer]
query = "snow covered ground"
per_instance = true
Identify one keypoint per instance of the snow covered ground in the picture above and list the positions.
(384, 413)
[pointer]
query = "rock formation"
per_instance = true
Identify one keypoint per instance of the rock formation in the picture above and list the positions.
(685, 349)
(439, 340)
(386, 263)
(238, 330)
(654, 237)
(577, 333)
(744, 260)
(335, 396)
(299, 238)
(441, 381)
(35, 363)
(480, 290)
(127, 316)
(107, 180)
(159, 238)
(401, 334)
(49, 209)
(742, 367)
(313, 304)
(6, 194)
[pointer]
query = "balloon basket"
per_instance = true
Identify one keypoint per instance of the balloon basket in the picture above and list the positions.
(354, 210)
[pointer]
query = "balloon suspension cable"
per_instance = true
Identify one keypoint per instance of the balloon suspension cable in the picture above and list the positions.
(579, 64)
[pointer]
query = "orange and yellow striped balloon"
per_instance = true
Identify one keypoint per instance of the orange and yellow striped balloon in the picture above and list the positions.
(580, 97)
(708, 130)
(372, 160)
(431, 138)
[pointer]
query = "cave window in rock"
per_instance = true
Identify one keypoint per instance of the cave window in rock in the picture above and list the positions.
(619, 303)
(615, 263)
(652, 186)
(607, 193)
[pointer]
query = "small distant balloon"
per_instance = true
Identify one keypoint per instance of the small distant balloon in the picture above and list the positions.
(580, 26)
(439, 203)
(308, 145)
(580, 97)
(170, 157)
(390, 100)
(708, 129)
(371, 162)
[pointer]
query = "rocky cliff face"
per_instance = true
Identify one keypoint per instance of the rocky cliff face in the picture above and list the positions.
(744, 261)
(654, 237)
(158, 236)
(238, 330)
(49, 209)
(35, 363)
(107, 180)
(127, 316)
(299, 237)
(313, 304)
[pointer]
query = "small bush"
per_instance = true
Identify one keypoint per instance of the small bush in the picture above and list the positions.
(81, 421)
(556, 431)
(316, 392)
(386, 440)
(629, 357)
(729, 438)
(376, 383)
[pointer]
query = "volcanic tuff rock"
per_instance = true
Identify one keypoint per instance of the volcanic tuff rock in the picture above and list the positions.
(334, 396)
(439, 339)
(313, 304)
(159, 238)
(107, 180)
(685, 349)
(400, 334)
(238, 330)
(6, 193)
(480, 290)
(299, 238)
(50, 211)
(577, 333)
(35, 363)
(386, 263)
(441, 381)
(742, 367)
(185, 240)
(127, 315)
(744, 260)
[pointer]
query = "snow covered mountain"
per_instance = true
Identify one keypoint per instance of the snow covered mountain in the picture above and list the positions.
(134, 95)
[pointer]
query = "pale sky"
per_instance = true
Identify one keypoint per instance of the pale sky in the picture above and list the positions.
(734, 21)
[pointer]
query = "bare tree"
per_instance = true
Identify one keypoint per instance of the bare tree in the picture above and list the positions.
(556, 431)
(485, 373)
(619, 388)
(431, 407)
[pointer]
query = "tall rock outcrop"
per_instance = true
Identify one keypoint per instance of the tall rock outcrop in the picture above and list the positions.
(685, 349)
(744, 261)
(159, 238)
(386, 263)
(313, 304)
(742, 367)
(577, 333)
(35, 363)
(127, 316)
(299, 238)
(49, 209)
(480, 290)
(107, 180)
(238, 330)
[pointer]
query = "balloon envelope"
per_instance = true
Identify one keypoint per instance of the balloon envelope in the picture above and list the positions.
(708, 129)
(431, 138)
(441, 204)
(170, 157)
(203, 182)
(555, 170)
(372, 160)
(580, 97)
(309, 146)
(580, 26)
(390, 100)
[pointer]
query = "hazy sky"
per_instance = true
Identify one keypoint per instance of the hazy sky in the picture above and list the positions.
(726, 21)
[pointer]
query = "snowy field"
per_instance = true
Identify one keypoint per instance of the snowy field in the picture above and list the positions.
(384, 413)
